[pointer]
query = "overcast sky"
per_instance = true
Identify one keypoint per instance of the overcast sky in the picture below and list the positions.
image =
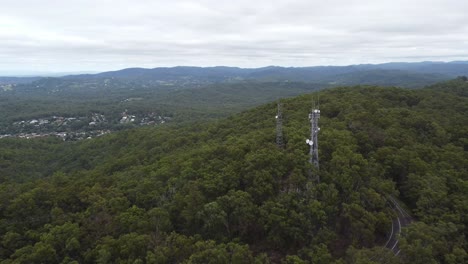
(99, 35)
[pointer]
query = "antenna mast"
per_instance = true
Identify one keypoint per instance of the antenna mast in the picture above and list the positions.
(313, 141)
(279, 127)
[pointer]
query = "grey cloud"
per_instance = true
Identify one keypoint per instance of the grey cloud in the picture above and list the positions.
(103, 35)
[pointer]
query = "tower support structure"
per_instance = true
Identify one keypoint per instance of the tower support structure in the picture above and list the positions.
(279, 127)
(313, 141)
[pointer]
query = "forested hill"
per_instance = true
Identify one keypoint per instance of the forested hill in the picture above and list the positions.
(398, 74)
(223, 192)
(410, 75)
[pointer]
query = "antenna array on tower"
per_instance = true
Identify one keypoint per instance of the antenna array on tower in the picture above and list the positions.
(313, 141)
(279, 127)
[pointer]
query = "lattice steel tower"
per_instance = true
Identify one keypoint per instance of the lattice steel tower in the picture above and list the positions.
(313, 141)
(279, 127)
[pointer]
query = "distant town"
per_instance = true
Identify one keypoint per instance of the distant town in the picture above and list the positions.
(79, 127)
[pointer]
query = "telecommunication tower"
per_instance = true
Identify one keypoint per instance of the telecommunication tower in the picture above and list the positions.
(313, 141)
(279, 127)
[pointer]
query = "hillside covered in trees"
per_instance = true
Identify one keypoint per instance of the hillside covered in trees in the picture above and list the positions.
(98, 103)
(223, 192)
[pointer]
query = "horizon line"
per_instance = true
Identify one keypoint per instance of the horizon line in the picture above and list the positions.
(42, 74)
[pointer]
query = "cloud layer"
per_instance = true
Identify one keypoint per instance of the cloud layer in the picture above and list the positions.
(97, 35)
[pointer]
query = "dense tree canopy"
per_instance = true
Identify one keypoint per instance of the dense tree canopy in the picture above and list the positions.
(223, 192)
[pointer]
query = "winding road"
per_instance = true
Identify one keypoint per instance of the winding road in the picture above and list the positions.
(403, 219)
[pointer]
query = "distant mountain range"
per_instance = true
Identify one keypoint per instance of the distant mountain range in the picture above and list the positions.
(18, 80)
(388, 74)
